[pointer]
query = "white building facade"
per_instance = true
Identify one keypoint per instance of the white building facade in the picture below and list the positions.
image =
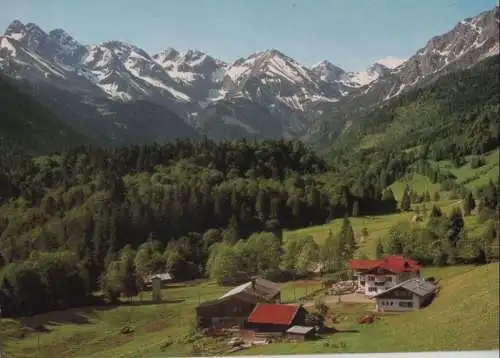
(409, 295)
(376, 281)
(376, 276)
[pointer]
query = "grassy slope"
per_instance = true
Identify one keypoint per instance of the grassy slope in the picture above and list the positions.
(377, 226)
(475, 177)
(466, 307)
(95, 332)
(463, 317)
(417, 182)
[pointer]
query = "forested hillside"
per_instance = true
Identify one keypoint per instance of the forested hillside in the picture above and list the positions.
(87, 204)
(27, 125)
(455, 116)
(436, 132)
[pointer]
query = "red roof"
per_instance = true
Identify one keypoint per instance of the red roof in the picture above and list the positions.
(267, 313)
(393, 263)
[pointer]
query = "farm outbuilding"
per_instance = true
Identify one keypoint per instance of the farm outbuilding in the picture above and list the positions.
(234, 307)
(264, 290)
(268, 317)
(300, 333)
(163, 278)
(225, 312)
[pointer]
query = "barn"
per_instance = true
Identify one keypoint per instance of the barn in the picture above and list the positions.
(234, 307)
(269, 317)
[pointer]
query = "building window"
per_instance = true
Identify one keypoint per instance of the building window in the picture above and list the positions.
(371, 278)
(372, 289)
(406, 304)
(379, 283)
(402, 294)
(388, 278)
(362, 283)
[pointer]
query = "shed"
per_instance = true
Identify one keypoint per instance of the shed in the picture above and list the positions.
(268, 317)
(300, 333)
(163, 278)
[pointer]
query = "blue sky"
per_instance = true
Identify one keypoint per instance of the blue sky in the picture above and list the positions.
(350, 33)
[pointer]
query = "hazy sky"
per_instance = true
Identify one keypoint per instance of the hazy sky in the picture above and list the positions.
(350, 33)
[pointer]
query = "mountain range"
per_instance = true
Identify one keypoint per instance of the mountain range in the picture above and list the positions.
(117, 93)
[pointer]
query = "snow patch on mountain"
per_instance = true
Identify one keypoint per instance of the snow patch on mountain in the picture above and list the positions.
(391, 62)
(360, 79)
(5, 44)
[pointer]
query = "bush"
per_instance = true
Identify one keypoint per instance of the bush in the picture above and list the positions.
(166, 344)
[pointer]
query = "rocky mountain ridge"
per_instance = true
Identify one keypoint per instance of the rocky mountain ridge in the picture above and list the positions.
(212, 95)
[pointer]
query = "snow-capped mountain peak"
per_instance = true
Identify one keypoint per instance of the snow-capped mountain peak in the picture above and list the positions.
(272, 64)
(168, 54)
(364, 78)
(16, 30)
(66, 41)
(29, 34)
(391, 62)
(327, 71)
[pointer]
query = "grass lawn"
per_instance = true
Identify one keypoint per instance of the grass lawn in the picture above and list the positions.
(416, 182)
(464, 316)
(466, 307)
(95, 331)
(295, 290)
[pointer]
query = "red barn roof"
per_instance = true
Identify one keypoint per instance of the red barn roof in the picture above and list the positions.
(396, 264)
(267, 313)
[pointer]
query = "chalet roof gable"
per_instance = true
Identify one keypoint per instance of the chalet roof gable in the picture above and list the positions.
(417, 286)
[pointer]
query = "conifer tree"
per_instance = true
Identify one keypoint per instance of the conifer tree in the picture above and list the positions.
(406, 200)
(469, 203)
(355, 209)
(379, 250)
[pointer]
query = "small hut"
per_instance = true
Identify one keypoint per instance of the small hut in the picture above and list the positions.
(163, 278)
(300, 333)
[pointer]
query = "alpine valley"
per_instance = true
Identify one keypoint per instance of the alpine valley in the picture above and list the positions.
(115, 93)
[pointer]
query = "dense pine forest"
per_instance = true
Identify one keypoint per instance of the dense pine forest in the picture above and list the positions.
(65, 218)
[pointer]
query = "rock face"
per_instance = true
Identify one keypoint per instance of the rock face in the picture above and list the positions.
(224, 100)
